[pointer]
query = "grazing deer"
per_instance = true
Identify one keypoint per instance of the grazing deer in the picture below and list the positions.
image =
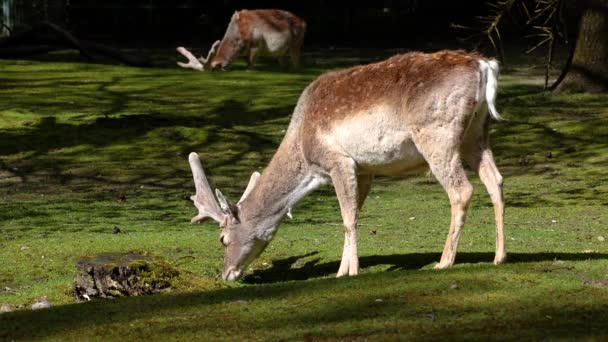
(256, 32)
(389, 118)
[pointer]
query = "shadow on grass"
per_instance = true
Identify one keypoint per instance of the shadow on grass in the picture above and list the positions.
(286, 269)
(282, 307)
(49, 135)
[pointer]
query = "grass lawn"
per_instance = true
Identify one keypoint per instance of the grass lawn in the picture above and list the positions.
(85, 148)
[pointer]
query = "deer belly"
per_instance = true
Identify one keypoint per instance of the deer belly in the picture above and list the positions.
(276, 42)
(389, 155)
(378, 145)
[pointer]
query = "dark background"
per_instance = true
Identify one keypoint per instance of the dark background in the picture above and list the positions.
(159, 22)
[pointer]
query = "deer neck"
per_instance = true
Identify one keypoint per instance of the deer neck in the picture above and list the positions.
(284, 182)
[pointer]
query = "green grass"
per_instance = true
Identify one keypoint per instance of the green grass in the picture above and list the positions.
(85, 148)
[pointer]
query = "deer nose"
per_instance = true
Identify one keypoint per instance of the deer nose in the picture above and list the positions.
(232, 275)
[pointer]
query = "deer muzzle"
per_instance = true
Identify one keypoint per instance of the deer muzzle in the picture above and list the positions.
(232, 274)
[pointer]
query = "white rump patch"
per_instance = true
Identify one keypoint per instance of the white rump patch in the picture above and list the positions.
(488, 85)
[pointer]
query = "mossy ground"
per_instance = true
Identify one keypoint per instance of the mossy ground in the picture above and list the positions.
(85, 148)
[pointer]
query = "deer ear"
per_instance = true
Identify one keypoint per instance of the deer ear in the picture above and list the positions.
(224, 205)
(229, 210)
(253, 181)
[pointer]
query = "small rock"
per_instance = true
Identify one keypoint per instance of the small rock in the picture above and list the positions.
(553, 221)
(588, 251)
(454, 287)
(6, 308)
(600, 238)
(116, 230)
(24, 248)
(373, 232)
(412, 218)
(42, 303)
(379, 300)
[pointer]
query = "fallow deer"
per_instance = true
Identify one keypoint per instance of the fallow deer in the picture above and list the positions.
(255, 32)
(389, 118)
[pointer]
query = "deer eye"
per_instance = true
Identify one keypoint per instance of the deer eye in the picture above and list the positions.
(222, 241)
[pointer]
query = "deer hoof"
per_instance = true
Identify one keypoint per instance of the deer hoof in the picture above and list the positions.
(341, 274)
(441, 266)
(500, 259)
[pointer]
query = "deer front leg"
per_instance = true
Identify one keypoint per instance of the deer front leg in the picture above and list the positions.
(344, 180)
(253, 54)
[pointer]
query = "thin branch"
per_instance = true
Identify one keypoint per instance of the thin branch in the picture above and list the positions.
(3, 25)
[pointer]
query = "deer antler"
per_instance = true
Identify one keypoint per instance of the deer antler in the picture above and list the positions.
(204, 200)
(210, 55)
(200, 63)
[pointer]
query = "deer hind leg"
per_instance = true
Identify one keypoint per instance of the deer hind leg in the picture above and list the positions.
(364, 185)
(483, 163)
(345, 183)
(294, 55)
(459, 190)
(283, 62)
(295, 50)
(445, 163)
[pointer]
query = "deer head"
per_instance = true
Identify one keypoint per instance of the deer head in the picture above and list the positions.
(231, 44)
(240, 242)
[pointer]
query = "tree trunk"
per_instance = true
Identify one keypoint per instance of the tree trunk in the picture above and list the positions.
(588, 69)
(7, 17)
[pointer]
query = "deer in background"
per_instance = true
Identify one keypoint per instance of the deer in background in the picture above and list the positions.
(255, 32)
(390, 118)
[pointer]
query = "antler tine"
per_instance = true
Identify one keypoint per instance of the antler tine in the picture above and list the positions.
(204, 200)
(207, 61)
(193, 62)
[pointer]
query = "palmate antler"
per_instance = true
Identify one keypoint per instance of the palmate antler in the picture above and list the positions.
(200, 64)
(204, 200)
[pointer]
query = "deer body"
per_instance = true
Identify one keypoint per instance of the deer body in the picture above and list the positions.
(388, 118)
(261, 32)
(253, 33)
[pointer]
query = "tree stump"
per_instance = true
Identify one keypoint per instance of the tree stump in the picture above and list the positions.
(121, 275)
